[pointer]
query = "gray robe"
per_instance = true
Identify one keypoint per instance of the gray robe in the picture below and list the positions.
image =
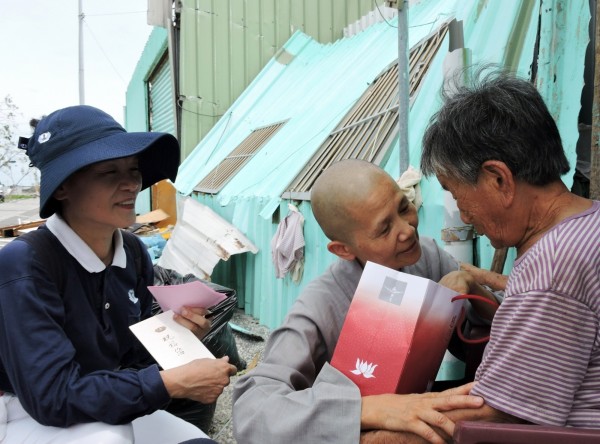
(294, 394)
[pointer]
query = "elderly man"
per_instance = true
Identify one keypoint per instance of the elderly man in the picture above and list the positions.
(295, 394)
(496, 148)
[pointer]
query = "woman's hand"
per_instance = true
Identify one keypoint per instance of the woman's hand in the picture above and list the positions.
(419, 414)
(202, 380)
(195, 319)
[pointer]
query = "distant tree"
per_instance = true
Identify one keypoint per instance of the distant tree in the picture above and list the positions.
(14, 164)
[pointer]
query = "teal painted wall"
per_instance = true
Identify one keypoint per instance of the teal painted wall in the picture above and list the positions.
(136, 109)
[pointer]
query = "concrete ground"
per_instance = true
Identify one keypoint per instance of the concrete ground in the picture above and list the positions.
(19, 211)
(251, 350)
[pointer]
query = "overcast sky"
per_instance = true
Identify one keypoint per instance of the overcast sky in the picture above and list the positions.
(39, 49)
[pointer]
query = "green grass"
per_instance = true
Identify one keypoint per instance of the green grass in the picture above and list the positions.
(17, 197)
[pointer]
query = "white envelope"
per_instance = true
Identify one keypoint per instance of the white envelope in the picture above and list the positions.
(170, 343)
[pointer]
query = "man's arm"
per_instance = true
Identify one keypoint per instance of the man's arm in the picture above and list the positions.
(492, 279)
(465, 283)
(387, 437)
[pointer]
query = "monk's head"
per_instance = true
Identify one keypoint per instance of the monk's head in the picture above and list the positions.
(363, 212)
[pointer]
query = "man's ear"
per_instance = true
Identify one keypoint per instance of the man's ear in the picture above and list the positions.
(499, 177)
(341, 250)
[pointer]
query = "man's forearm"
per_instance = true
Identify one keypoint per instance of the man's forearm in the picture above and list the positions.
(387, 437)
(484, 413)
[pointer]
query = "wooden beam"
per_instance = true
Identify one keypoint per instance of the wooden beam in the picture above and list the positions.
(13, 230)
(499, 260)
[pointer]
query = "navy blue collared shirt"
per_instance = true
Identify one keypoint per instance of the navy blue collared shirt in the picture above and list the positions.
(67, 353)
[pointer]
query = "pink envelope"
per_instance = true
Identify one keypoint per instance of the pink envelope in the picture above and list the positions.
(190, 294)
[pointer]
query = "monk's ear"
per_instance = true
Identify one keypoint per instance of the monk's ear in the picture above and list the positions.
(341, 250)
(498, 176)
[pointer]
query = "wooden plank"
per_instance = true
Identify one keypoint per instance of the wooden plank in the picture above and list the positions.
(13, 230)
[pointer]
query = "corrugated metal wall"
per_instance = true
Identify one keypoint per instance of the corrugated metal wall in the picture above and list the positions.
(225, 44)
(161, 108)
(136, 111)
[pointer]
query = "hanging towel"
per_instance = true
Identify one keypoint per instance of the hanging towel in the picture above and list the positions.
(409, 184)
(287, 246)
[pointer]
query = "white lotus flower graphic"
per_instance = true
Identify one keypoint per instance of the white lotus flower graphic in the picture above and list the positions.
(364, 368)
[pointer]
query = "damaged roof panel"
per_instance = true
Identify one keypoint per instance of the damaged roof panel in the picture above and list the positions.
(201, 239)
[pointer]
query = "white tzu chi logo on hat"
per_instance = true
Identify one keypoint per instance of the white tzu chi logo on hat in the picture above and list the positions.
(364, 368)
(44, 137)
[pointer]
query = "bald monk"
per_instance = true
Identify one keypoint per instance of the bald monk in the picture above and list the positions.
(294, 394)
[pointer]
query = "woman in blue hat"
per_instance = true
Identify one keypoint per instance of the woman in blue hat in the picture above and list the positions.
(70, 369)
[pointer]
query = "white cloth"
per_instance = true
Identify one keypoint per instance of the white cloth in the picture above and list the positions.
(287, 246)
(17, 427)
(409, 184)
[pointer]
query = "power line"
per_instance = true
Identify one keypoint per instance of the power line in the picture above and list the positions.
(115, 13)
(103, 52)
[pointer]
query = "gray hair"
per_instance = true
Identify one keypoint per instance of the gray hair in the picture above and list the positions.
(496, 117)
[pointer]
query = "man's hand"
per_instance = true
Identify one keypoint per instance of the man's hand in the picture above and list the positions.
(419, 414)
(460, 281)
(492, 279)
(464, 282)
(202, 380)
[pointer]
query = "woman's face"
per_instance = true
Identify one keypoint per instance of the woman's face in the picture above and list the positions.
(101, 195)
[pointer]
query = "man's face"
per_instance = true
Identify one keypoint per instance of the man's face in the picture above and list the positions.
(385, 227)
(479, 206)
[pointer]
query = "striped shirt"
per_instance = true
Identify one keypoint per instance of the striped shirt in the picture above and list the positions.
(542, 363)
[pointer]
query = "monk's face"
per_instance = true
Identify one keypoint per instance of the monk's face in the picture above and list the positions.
(384, 226)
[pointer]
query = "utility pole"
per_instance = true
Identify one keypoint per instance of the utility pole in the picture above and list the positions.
(81, 78)
(403, 81)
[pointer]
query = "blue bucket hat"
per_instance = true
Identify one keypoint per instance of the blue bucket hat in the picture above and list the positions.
(72, 138)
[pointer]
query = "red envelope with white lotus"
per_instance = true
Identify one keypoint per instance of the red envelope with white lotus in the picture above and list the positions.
(396, 332)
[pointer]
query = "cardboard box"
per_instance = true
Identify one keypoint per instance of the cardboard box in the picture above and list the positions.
(396, 332)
